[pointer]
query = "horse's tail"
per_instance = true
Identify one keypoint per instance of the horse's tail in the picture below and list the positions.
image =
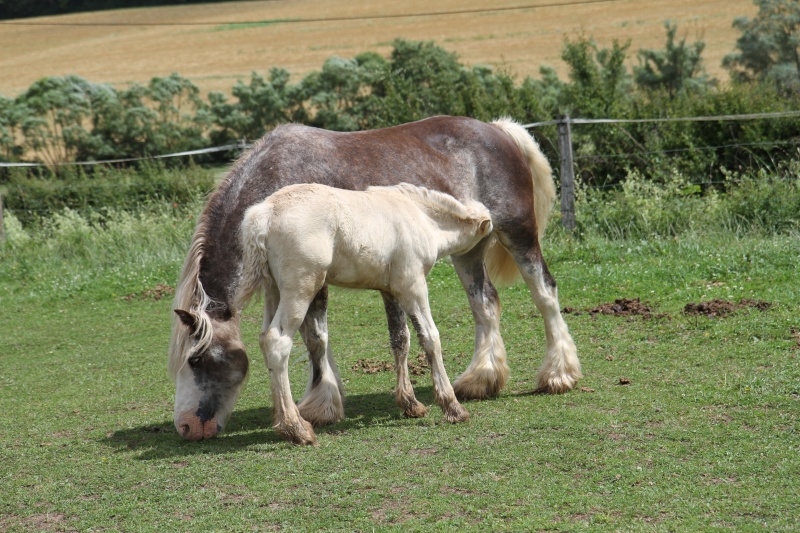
(499, 263)
(255, 264)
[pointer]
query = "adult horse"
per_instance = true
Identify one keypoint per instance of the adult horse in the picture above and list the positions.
(497, 164)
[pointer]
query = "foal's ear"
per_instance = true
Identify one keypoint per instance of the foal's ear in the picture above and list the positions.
(485, 227)
(189, 319)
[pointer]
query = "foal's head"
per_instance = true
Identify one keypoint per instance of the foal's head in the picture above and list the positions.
(209, 373)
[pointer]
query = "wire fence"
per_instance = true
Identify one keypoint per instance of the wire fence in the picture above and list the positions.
(568, 162)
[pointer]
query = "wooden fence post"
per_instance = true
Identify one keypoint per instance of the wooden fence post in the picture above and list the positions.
(2, 220)
(567, 173)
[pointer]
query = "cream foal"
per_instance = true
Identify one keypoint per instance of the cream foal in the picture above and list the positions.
(385, 238)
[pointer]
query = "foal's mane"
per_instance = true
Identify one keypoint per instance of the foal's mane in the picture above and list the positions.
(438, 201)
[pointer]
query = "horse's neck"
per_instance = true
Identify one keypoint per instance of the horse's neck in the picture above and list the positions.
(219, 282)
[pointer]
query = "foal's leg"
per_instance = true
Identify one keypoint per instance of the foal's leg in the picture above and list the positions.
(415, 302)
(276, 345)
(322, 402)
(400, 342)
(487, 373)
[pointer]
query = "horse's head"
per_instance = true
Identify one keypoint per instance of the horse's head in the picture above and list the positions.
(209, 374)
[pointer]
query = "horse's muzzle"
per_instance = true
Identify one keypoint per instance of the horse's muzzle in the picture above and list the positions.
(191, 427)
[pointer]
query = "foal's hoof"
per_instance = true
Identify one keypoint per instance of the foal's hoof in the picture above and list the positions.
(456, 413)
(302, 434)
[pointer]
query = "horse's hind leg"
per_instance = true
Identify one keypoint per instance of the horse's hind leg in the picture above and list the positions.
(561, 368)
(487, 372)
(322, 402)
(399, 340)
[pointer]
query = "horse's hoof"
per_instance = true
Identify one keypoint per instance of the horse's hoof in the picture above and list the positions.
(328, 414)
(415, 410)
(479, 385)
(301, 434)
(557, 383)
(456, 413)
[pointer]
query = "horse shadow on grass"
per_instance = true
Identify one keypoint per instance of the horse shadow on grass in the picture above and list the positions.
(252, 428)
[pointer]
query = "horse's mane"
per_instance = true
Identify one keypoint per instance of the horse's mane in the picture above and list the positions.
(438, 201)
(190, 296)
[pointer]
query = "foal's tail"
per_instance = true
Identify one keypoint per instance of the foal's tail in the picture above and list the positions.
(255, 264)
(499, 263)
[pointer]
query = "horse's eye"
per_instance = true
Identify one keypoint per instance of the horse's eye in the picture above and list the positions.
(194, 361)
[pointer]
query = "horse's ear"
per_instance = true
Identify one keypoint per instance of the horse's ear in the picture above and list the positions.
(189, 319)
(485, 227)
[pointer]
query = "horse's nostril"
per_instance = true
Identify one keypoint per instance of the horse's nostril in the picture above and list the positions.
(185, 429)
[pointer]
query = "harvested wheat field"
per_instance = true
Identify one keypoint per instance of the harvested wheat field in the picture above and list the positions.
(204, 43)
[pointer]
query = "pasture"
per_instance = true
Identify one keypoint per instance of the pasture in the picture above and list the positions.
(682, 421)
(203, 43)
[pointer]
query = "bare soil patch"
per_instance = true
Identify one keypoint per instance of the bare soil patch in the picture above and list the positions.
(156, 293)
(719, 308)
(418, 367)
(625, 307)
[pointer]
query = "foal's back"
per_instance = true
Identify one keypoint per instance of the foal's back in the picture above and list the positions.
(362, 239)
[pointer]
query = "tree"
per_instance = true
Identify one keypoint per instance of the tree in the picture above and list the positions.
(769, 47)
(11, 116)
(599, 82)
(679, 67)
(55, 110)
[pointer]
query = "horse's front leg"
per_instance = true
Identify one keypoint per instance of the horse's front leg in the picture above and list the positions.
(415, 303)
(276, 345)
(400, 342)
(488, 371)
(323, 401)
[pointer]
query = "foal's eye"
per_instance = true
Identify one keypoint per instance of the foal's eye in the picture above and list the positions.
(194, 361)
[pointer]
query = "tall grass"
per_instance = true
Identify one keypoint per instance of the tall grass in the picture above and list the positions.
(105, 252)
(757, 201)
(114, 250)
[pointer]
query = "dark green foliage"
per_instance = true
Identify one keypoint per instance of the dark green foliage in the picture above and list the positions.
(769, 47)
(261, 105)
(600, 85)
(29, 197)
(678, 67)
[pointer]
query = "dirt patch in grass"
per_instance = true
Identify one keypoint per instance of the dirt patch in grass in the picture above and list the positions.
(156, 293)
(626, 307)
(720, 308)
(36, 522)
(371, 366)
(418, 367)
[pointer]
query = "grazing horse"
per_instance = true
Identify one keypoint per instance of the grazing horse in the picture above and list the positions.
(385, 238)
(497, 164)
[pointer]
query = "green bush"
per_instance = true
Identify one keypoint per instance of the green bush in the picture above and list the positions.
(756, 201)
(30, 197)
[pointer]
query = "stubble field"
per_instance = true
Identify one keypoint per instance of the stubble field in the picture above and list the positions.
(203, 43)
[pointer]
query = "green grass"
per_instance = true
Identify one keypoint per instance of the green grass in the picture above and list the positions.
(704, 436)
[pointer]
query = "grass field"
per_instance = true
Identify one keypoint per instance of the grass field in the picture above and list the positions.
(216, 53)
(682, 422)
